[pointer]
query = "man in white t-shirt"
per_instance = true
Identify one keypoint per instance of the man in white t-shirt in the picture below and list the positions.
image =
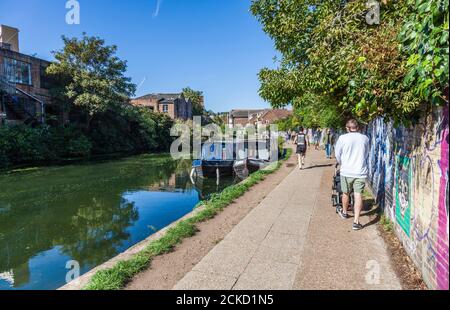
(352, 151)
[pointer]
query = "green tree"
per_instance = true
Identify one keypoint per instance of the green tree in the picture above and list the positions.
(334, 64)
(94, 74)
(196, 98)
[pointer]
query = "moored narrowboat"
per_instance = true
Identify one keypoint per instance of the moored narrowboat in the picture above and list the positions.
(217, 160)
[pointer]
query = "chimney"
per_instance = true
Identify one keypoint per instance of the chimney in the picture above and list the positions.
(9, 38)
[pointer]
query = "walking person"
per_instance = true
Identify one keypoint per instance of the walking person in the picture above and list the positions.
(316, 138)
(352, 151)
(328, 141)
(302, 143)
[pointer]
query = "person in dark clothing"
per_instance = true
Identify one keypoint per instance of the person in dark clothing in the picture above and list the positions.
(302, 145)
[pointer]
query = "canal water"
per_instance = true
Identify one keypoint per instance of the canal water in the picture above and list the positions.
(88, 213)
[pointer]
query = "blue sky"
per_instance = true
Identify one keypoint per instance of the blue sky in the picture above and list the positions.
(215, 46)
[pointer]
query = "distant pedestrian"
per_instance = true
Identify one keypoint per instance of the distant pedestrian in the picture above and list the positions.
(302, 143)
(352, 151)
(328, 141)
(316, 138)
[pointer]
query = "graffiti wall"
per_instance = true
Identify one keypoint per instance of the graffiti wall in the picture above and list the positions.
(409, 176)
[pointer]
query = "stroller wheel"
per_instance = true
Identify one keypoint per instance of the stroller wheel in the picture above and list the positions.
(333, 200)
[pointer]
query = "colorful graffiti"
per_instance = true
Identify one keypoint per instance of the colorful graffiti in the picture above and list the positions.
(408, 172)
(403, 193)
(381, 163)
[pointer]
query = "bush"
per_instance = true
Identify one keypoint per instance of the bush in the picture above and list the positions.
(21, 144)
(130, 130)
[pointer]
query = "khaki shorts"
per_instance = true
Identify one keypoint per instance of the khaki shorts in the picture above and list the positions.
(356, 185)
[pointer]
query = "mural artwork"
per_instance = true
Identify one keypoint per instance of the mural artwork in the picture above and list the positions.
(403, 193)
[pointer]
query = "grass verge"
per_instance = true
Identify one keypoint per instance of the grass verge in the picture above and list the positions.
(116, 278)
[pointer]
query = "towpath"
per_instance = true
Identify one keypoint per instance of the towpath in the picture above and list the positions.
(293, 239)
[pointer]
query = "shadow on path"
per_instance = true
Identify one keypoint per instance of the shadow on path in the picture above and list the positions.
(372, 209)
(317, 166)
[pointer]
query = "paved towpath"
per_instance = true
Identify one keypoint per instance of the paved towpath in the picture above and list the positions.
(294, 240)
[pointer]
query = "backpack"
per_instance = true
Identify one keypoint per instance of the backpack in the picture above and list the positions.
(301, 139)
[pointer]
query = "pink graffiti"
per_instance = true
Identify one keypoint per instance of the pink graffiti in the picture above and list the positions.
(442, 235)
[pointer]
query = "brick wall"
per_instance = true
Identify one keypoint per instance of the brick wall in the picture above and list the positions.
(170, 111)
(409, 175)
(36, 64)
(37, 88)
(179, 109)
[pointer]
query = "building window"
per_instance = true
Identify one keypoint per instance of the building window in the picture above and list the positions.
(165, 108)
(17, 71)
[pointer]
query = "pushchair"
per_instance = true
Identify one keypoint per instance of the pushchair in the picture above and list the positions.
(336, 192)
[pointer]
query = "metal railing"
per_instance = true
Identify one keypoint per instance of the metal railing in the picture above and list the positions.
(10, 88)
(6, 46)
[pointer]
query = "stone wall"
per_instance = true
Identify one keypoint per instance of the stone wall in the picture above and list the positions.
(409, 176)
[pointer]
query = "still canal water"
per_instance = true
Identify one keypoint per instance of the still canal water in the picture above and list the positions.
(88, 213)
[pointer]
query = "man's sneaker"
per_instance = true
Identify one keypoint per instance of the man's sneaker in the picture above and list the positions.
(357, 226)
(342, 214)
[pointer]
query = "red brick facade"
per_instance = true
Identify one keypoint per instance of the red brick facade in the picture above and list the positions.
(174, 105)
(33, 84)
(266, 117)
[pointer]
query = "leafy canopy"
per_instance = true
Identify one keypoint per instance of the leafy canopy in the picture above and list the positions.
(334, 64)
(94, 74)
(196, 98)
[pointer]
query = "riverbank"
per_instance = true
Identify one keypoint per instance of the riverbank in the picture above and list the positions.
(93, 159)
(116, 273)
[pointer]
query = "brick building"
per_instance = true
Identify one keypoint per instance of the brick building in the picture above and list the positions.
(24, 88)
(257, 117)
(241, 116)
(175, 105)
(269, 116)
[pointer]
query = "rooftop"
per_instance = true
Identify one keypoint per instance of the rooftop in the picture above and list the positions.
(241, 113)
(165, 97)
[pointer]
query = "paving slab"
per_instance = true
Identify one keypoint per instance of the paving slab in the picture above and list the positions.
(267, 275)
(197, 280)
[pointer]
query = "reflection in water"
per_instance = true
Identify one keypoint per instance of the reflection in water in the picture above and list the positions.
(88, 213)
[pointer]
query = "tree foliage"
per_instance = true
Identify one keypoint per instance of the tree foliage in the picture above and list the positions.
(335, 65)
(424, 38)
(94, 74)
(196, 98)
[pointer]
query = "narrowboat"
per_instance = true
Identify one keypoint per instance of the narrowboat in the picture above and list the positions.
(252, 156)
(217, 160)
